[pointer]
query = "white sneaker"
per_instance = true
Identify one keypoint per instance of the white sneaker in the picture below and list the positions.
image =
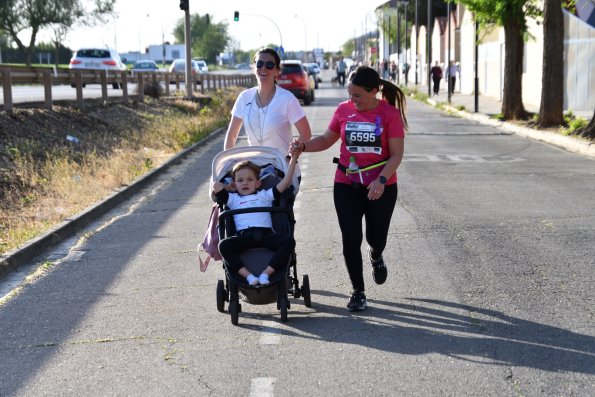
(264, 279)
(252, 279)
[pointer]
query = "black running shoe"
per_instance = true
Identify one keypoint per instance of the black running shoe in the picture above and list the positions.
(379, 271)
(357, 302)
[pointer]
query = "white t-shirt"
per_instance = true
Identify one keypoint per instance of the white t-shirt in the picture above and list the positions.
(262, 198)
(272, 125)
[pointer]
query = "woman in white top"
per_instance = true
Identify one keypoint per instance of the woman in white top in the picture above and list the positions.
(267, 111)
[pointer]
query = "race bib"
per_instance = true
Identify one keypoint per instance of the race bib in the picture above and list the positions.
(362, 137)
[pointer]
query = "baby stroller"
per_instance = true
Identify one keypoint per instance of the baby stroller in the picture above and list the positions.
(282, 283)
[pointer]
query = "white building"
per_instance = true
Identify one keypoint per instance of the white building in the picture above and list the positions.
(579, 57)
(159, 53)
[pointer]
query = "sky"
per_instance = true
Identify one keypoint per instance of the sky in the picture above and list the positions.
(323, 24)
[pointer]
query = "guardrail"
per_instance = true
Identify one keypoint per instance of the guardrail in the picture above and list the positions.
(78, 78)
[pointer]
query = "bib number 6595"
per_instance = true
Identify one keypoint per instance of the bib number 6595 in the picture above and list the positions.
(362, 137)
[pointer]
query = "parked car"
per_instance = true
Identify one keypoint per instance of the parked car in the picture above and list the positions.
(179, 66)
(296, 79)
(314, 71)
(243, 66)
(202, 65)
(97, 58)
(145, 66)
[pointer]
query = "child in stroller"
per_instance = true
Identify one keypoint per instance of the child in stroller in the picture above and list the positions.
(278, 175)
(253, 229)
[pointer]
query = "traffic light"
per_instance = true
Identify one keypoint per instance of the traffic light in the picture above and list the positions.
(184, 5)
(236, 16)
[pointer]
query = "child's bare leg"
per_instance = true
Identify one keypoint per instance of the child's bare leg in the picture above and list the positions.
(268, 271)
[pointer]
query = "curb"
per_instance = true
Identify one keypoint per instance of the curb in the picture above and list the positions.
(575, 145)
(12, 260)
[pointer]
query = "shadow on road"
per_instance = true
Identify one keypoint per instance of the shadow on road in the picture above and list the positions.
(421, 326)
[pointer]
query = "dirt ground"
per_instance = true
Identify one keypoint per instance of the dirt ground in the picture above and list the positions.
(39, 133)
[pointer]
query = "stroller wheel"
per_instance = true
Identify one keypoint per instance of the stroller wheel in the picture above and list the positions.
(306, 290)
(284, 303)
(221, 295)
(234, 311)
(295, 291)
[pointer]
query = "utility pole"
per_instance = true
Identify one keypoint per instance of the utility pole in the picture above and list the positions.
(185, 6)
(429, 40)
(416, 43)
(448, 85)
(398, 44)
(476, 93)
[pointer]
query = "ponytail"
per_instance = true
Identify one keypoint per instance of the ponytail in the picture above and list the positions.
(393, 95)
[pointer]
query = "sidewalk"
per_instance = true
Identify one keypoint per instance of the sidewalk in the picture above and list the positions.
(489, 106)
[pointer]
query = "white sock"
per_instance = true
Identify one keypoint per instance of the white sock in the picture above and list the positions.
(264, 279)
(252, 279)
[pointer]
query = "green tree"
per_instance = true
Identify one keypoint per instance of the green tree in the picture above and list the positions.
(551, 111)
(208, 39)
(347, 48)
(17, 16)
(512, 16)
(589, 130)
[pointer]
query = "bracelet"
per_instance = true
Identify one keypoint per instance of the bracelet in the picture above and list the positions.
(304, 149)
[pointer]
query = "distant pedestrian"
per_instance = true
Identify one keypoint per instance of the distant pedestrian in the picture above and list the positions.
(385, 69)
(451, 74)
(341, 70)
(406, 72)
(393, 71)
(436, 73)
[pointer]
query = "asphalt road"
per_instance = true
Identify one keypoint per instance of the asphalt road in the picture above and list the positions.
(490, 288)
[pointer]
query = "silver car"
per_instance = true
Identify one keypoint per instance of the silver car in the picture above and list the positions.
(179, 66)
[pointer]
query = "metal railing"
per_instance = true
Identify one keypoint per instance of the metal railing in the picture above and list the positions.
(77, 78)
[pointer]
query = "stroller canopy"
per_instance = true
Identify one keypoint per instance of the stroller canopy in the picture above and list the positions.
(259, 155)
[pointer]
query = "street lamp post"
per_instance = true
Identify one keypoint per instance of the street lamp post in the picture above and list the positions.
(448, 85)
(429, 40)
(398, 45)
(305, 38)
(163, 51)
(273, 22)
(476, 93)
(416, 43)
(405, 4)
(388, 37)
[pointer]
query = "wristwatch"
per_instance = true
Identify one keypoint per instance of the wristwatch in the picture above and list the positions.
(382, 179)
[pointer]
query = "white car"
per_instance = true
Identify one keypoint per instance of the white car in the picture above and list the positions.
(202, 65)
(97, 58)
(314, 71)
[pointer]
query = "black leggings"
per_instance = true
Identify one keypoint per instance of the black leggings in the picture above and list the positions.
(231, 247)
(352, 204)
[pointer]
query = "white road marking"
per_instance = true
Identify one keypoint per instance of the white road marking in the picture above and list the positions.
(262, 387)
(461, 158)
(270, 333)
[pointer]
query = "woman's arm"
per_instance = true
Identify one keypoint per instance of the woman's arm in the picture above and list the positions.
(396, 148)
(303, 127)
(231, 136)
(318, 144)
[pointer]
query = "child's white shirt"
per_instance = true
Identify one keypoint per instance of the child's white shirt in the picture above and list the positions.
(262, 198)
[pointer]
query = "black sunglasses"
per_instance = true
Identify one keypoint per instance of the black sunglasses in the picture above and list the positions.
(270, 65)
